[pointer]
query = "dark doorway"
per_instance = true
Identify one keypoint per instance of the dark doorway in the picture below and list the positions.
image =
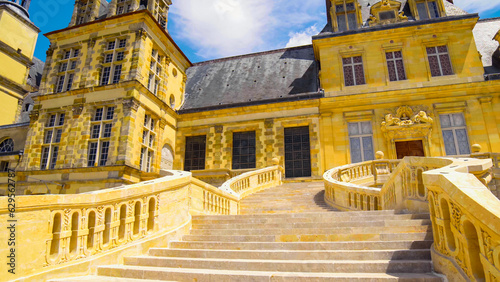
(297, 152)
(410, 149)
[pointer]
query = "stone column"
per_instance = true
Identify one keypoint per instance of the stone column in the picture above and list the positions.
(126, 146)
(112, 8)
(75, 13)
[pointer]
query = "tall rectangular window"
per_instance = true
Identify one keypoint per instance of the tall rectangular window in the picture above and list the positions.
(346, 16)
(353, 71)
(51, 140)
(66, 70)
(155, 72)
(195, 153)
(148, 143)
(100, 134)
(112, 62)
(244, 150)
(427, 9)
(361, 141)
(439, 61)
(395, 65)
(455, 137)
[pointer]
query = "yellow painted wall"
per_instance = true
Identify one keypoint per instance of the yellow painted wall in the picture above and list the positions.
(17, 34)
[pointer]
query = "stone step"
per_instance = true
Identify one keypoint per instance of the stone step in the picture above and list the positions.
(359, 245)
(214, 275)
(342, 266)
(423, 254)
(411, 222)
(311, 237)
(93, 278)
(315, 231)
(291, 218)
(351, 214)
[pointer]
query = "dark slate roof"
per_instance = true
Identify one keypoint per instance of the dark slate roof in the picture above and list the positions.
(35, 74)
(484, 31)
(451, 10)
(268, 76)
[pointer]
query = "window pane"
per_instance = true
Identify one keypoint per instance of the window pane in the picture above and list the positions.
(110, 113)
(104, 153)
(98, 114)
(53, 160)
(356, 150)
(445, 64)
(339, 8)
(61, 119)
(463, 141)
(353, 128)
(360, 74)
(401, 70)
(392, 71)
(350, 6)
(45, 158)
(368, 148)
(341, 22)
(351, 18)
(449, 143)
(422, 11)
(92, 154)
(58, 136)
(445, 121)
(434, 66)
(48, 137)
(107, 130)
(458, 119)
(433, 9)
(348, 76)
(366, 127)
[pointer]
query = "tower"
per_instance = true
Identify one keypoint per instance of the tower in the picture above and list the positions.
(17, 44)
(107, 99)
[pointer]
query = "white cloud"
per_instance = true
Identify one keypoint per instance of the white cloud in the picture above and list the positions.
(221, 28)
(303, 37)
(477, 6)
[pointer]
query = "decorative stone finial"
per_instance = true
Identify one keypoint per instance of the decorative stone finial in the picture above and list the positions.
(379, 155)
(276, 161)
(476, 148)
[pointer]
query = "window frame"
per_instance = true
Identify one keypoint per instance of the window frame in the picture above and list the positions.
(394, 60)
(101, 141)
(454, 129)
(52, 141)
(438, 55)
(148, 143)
(65, 71)
(334, 15)
(156, 69)
(352, 64)
(427, 9)
(360, 137)
(112, 70)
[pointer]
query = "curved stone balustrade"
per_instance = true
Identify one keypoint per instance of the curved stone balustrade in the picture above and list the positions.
(78, 227)
(253, 181)
(348, 187)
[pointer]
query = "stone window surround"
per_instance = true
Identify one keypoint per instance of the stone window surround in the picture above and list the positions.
(110, 69)
(66, 69)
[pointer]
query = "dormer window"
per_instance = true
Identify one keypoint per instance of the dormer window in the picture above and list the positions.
(345, 15)
(427, 9)
(386, 12)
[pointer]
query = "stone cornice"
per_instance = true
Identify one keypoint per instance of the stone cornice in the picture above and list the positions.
(13, 53)
(13, 85)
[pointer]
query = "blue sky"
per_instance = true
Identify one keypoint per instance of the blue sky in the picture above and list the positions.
(219, 28)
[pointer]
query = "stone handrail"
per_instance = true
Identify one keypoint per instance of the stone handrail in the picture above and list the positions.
(465, 215)
(253, 181)
(345, 186)
(82, 227)
(465, 221)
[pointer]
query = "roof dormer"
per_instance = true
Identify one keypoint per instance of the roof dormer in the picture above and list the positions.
(427, 9)
(386, 11)
(345, 15)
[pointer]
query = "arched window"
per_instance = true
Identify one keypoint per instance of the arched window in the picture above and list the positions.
(172, 101)
(7, 145)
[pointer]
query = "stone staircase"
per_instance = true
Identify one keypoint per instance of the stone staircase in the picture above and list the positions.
(271, 241)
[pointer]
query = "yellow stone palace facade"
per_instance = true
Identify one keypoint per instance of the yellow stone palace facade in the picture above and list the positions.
(119, 101)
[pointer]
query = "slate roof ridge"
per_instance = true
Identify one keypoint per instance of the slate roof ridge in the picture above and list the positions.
(251, 55)
(489, 19)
